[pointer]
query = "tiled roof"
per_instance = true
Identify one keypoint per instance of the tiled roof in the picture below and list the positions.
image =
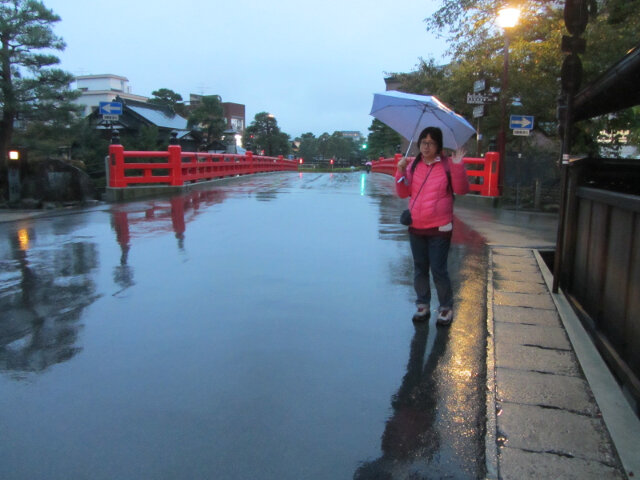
(160, 118)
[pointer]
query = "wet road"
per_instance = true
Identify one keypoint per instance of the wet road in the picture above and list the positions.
(261, 329)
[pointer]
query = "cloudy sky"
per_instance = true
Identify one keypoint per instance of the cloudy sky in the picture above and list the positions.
(314, 64)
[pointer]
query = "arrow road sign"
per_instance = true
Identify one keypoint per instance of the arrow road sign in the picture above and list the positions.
(110, 108)
(521, 122)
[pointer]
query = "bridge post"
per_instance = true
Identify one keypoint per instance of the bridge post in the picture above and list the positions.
(175, 161)
(491, 169)
(116, 162)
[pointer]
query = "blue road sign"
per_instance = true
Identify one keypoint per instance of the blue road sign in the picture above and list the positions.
(110, 108)
(524, 122)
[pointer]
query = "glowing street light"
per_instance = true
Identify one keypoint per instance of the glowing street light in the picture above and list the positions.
(508, 17)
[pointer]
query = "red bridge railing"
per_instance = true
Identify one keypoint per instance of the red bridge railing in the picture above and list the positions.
(482, 172)
(175, 167)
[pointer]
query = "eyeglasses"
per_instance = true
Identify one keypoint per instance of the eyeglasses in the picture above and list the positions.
(428, 144)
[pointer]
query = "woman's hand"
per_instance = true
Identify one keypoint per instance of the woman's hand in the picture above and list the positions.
(402, 163)
(457, 156)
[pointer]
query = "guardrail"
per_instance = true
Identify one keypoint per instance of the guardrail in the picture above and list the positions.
(483, 180)
(175, 167)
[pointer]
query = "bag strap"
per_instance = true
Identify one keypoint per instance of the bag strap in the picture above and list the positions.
(418, 194)
(447, 169)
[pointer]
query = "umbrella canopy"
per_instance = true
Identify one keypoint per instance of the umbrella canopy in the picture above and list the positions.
(409, 114)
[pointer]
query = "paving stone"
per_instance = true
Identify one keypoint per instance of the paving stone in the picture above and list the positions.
(513, 252)
(511, 261)
(526, 259)
(548, 337)
(523, 300)
(561, 362)
(516, 267)
(525, 315)
(515, 464)
(533, 388)
(541, 429)
(516, 286)
(506, 274)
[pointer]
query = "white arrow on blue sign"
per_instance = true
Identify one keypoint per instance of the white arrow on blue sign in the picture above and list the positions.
(110, 108)
(524, 122)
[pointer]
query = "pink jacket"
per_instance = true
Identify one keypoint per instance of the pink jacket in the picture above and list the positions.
(434, 205)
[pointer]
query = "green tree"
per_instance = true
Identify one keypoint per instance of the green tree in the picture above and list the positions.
(382, 140)
(324, 150)
(168, 98)
(208, 115)
(341, 148)
(91, 147)
(308, 147)
(535, 58)
(31, 89)
(264, 134)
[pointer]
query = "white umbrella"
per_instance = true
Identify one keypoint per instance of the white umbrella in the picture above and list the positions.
(409, 114)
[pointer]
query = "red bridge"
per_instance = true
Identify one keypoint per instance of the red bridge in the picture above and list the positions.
(176, 168)
(482, 172)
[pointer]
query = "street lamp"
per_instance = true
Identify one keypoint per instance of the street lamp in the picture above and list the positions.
(270, 117)
(507, 18)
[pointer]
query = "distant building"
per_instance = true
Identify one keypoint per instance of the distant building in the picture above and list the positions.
(233, 113)
(103, 88)
(234, 116)
(393, 83)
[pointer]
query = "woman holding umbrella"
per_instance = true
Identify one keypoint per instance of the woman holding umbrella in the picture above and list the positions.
(430, 181)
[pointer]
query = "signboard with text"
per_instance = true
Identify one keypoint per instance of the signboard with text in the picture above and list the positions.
(481, 98)
(521, 132)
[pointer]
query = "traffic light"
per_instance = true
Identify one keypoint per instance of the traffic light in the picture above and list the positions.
(301, 161)
(364, 146)
(331, 161)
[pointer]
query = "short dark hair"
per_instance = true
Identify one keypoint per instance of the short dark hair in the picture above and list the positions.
(435, 133)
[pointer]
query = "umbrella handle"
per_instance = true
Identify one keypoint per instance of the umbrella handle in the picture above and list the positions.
(414, 131)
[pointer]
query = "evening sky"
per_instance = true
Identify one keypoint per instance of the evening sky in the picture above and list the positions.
(314, 64)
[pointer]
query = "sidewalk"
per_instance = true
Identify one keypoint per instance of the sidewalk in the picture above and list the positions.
(553, 408)
(7, 215)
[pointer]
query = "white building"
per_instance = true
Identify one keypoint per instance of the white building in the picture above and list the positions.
(103, 88)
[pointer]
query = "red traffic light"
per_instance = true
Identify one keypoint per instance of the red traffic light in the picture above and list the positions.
(331, 161)
(301, 161)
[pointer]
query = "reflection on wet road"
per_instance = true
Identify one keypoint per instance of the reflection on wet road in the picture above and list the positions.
(261, 329)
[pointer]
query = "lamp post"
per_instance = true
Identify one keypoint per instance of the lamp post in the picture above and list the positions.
(507, 18)
(270, 118)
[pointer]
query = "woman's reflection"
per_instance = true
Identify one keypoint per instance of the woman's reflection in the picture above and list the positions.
(409, 434)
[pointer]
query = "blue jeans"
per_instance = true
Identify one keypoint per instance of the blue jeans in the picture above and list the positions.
(431, 253)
